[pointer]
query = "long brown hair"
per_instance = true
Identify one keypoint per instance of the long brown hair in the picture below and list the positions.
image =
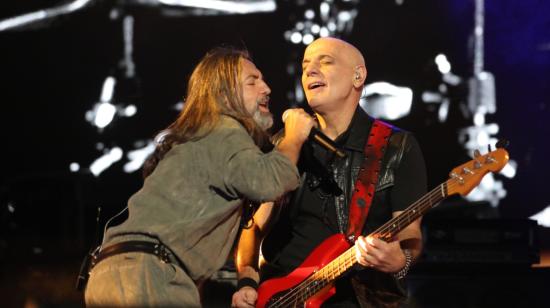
(214, 88)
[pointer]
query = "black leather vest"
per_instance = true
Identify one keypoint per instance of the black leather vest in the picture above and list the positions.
(345, 172)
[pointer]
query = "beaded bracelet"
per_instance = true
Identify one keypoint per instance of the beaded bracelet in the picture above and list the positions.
(408, 260)
(247, 282)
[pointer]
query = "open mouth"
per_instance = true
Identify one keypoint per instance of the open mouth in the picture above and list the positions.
(315, 85)
(264, 105)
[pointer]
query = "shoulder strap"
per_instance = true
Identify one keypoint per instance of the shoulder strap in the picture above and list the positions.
(367, 179)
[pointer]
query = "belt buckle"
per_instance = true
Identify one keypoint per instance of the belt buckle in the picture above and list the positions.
(94, 255)
(162, 253)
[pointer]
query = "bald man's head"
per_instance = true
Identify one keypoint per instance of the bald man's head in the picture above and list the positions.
(347, 50)
(333, 74)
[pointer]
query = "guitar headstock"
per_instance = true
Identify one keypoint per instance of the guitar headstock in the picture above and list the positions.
(467, 176)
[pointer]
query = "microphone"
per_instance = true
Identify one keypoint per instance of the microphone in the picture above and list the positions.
(321, 139)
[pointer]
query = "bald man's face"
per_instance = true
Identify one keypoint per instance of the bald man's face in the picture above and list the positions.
(328, 70)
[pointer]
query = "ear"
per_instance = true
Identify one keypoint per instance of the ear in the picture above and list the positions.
(359, 76)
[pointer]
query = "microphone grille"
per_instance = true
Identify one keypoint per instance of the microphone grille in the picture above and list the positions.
(285, 115)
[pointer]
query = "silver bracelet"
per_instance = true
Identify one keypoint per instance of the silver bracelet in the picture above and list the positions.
(408, 260)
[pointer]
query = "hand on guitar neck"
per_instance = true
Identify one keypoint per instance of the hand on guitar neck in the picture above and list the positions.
(380, 255)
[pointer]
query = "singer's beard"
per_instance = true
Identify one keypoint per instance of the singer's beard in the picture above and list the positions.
(263, 119)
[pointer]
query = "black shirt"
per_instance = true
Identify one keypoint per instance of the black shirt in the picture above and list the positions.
(311, 216)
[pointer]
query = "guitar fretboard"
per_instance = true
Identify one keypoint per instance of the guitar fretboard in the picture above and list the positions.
(386, 232)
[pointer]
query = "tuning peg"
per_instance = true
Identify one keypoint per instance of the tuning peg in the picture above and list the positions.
(457, 177)
(489, 147)
(502, 143)
(477, 164)
(477, 154)
(490, 159)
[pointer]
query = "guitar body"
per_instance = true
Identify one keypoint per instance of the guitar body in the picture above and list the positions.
(274, 289)
(338, 254)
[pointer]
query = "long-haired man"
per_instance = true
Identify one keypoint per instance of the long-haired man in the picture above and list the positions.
(183, 221)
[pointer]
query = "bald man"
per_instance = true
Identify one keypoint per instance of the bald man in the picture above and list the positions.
(333, 75)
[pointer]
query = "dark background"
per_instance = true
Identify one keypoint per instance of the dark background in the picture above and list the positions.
(52, 74)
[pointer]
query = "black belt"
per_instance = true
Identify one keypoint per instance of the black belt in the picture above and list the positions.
(94, 257)
(157, 249)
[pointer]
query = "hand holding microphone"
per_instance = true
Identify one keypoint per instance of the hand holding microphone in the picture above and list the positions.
(298, 125)
(300, 122)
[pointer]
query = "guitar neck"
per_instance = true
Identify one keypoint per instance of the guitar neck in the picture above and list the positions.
(391, 228)
(386, 233)
(462, 180)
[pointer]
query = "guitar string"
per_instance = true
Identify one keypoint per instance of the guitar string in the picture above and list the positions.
(420, 203)
(444, 188)
(307, 283)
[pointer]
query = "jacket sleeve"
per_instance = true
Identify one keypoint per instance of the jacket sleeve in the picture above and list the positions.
(410, 177)
(253, 174)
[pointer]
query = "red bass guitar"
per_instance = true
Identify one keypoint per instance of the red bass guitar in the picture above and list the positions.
(312, 283)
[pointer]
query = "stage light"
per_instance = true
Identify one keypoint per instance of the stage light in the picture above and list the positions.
(296, 37)
(443, 111)
(482, 137)
(443, 65)
(105, 113)
(324, 8)
(74, 167)
(386, 101)
(452, 79)
(543, 217)
(309, 14)
(315, 28)
(130, 110)
(479, 119)
(344, 16)
(488, 190)
(42, 15)
(509, 170)
(307, 39)
(11, 207)
(108, 89)
(237, 7)
(431, 97)
(105, 161)
(137, 157)
(324, 32)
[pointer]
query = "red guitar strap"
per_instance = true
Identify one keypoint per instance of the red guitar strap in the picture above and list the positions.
(367, 178)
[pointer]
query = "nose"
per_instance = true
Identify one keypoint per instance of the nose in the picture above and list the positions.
(310, 70)
(265, 88)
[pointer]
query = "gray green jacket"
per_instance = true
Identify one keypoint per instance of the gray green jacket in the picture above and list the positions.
(192, 200)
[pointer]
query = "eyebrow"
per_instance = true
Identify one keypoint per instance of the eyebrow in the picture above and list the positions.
(320, 57)
(253, 76)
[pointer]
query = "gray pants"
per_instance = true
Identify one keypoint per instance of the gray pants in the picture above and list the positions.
(139, 279)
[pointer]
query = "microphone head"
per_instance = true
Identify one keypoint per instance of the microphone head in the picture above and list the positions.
(285, 115)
